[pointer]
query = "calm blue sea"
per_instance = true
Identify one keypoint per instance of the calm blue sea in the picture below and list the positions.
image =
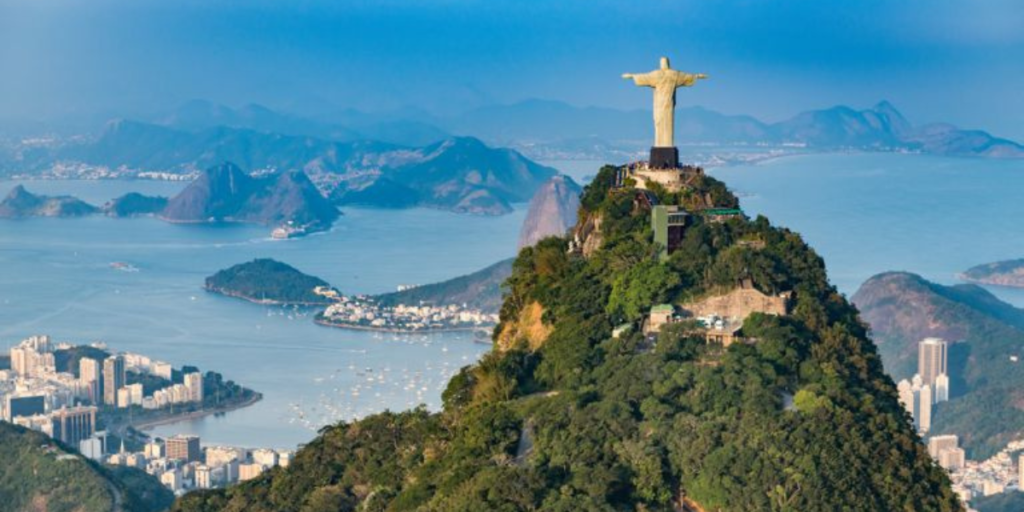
(55, 278)
(871, 213)
(864, 213)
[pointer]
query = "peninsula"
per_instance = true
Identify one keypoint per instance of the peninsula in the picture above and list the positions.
(267, 281)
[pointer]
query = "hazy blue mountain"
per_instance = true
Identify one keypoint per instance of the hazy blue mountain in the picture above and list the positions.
(459, 174)
(22, 203)
(133, 203)
(550, 126)
(198, 115)
(226, 193)
(880, 127)
(464, 175)
(402, 128)
(481, 290)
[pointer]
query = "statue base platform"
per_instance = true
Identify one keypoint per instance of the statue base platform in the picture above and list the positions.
(664, 158)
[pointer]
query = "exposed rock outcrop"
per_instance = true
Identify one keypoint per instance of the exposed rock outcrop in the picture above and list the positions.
(552, 211)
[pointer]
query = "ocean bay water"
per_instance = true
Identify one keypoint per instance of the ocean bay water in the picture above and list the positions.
(55, 278)
(874, 212)
(864, 213)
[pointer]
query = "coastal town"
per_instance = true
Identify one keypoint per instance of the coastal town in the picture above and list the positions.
(96, 401)
(365, 312)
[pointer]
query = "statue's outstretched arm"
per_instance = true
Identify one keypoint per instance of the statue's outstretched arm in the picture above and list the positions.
(640, 79)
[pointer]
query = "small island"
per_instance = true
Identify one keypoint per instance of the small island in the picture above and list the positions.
(1001, 273)
(267, 281)
(20, 203)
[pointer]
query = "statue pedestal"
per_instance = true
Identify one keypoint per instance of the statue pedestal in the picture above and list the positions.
(664, 158)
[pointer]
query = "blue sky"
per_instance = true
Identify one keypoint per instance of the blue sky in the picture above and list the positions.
(937, 60)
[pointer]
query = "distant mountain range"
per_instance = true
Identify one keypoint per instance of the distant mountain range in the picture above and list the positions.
(352, 144)
(1000, 273)
(226, 193)
(458, 173)
(540, 127)
(20, 203)
(223, 193)
(549, 126)
(985, 356)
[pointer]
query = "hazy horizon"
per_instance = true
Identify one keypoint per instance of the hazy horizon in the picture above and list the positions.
(954, 61)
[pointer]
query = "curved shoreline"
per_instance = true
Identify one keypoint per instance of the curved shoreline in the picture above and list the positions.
(263, 302)
(194, 415)
(397, 330)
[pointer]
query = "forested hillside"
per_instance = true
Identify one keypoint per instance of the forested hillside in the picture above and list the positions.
(562, 416)
(38, 474)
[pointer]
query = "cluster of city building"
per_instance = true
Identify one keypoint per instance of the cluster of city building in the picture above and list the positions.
(1003, 472)
(365, 313)
(83, 171)
(182, 464)
(929, 386)
(35, 395)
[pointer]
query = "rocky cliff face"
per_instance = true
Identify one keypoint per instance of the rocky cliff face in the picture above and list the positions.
(552, 210)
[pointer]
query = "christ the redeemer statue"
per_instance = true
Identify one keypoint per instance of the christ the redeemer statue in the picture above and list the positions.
(664, 81)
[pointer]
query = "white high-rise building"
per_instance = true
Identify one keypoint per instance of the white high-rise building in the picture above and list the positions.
(941, 388)
(90, 373)
(203, 477)
(931, 359)
(906, 393)
(924, 408)
(1020, 470)
(917, 399)
(265, 457)
(952, 458)
(938, 443)
(194, 387)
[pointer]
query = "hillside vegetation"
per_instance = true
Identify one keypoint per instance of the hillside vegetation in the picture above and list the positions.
(268, 281)
(804, 419)
(38, 474)
(479, 290)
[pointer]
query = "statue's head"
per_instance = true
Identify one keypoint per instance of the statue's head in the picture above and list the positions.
(664, 63)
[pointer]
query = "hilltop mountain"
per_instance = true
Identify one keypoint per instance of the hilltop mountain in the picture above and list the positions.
(268, 281)
(39, 474)
(480, 290)
(466, 176)
(562, 415)
(22, 203)
(226, 193)
(985, 407)
(133, 203)
(879, 127)
(552, 210)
